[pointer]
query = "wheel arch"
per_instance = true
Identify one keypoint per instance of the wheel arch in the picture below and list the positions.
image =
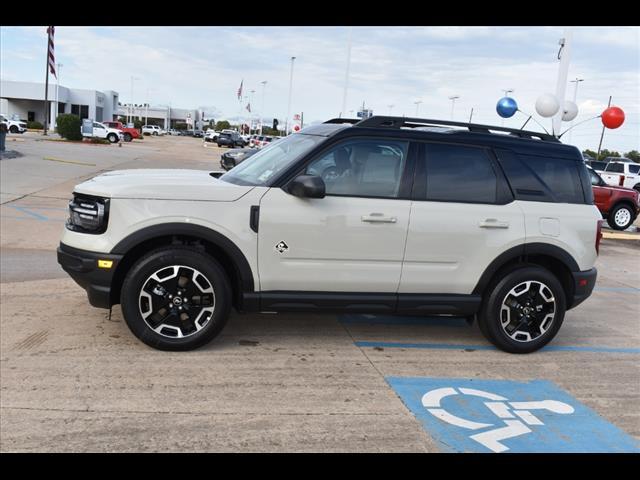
(214, 243)
(553, 258)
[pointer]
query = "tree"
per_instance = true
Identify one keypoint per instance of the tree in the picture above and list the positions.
(222, 125)
(591, 153)
(633, 155)
(606, 153)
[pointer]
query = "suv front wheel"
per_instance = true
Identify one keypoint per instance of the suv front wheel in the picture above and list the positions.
(176, 298)
(523, 310)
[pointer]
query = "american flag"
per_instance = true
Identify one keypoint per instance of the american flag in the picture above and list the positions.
(52, 60)
(240, 90)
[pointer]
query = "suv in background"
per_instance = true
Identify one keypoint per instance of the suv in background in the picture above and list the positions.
(374, 216)
(622, 173)
(231, 139)
(152, 130)
(14, 126)
(618, 205)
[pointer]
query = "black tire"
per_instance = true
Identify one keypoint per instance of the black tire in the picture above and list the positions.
(13, 129)
(155, 134)
(127, 137)
(165, 257)
(637, 187)
(112, 137)
(490, 318)
(621, 217)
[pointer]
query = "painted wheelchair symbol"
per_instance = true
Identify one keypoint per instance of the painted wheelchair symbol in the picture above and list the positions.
(514, 415)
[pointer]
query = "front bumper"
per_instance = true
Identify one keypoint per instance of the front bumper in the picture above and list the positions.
(82, 266)
(583, 283)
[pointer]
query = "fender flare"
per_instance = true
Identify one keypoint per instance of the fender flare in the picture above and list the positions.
(523, 250)
(240, 262)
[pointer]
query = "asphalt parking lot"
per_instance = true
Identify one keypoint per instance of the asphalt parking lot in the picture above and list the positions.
(73, 378)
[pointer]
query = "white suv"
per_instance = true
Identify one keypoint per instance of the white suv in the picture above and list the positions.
(376, 217)
(152, 130)
(14, 126)
(622, 174)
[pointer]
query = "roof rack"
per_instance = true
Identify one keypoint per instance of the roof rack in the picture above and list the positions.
(352, 121)
(399, 122)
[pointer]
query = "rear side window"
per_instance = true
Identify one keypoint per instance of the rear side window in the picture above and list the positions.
(615, 168)
(634, 169)
(561, 177)
(460, 174)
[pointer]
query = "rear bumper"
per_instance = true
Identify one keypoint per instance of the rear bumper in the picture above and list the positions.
(82, 266)
(583, 283)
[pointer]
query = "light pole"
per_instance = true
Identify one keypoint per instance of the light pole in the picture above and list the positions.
(264, 82)
(132, 107)
(506, 94)
(453, 99)
(286, 123)
(55, 118)
(417, 104)
(346, 75)
(146, 117)
(251, 112)
(575, 97)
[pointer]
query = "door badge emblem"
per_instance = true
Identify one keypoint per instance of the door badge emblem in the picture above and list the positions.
(282, 247)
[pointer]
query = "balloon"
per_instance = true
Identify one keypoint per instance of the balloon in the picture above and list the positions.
(506, 107)
(569, 112)
(612, 117)
(547, 105)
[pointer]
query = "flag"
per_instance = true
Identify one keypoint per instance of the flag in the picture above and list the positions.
(240, 90)
(249, 107)
(52, 59)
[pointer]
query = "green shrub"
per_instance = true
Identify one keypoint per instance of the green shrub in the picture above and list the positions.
(35, 125)
(101, 141)
(69, 126)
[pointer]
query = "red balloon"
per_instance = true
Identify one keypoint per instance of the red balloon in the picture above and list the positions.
(612, 117)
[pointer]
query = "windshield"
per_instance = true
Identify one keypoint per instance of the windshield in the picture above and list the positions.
(271, 160)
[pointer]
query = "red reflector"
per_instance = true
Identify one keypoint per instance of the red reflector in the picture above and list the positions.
(598, 236)
(621, 183)
(583, 283)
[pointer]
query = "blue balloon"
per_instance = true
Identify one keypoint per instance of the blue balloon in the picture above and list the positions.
(506, 107)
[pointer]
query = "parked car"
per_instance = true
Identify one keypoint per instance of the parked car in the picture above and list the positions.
(618, 205)
(232, 158)
(622, 174)
(230, 139)
(14, 126)
(198, 133)
(128, 133)
(100, 130)
(152, 130)
(498, 228)
(211, 136)
(173, 131)
(263, 141)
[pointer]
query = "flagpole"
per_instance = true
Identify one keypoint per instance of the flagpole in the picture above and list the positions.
(46, 86)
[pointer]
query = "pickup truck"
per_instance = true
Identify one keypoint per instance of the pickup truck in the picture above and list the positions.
(100, 130)
(618, 205)
(128, 133)
(622, 174)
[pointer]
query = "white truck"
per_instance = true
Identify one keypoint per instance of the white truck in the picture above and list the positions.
(622, 174)
(13, 125)
(91, 129)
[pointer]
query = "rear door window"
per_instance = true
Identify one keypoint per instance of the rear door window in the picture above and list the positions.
(615, 168)
(634, 169)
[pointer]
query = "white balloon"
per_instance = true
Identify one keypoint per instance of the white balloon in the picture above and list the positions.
(570, 111)
(547, 105)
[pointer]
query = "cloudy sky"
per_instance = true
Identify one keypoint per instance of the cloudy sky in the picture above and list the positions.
(192, 67)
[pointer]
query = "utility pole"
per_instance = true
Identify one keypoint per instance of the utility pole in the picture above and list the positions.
(286, 123)
(564, 55)
(346, 75)
(417, 104)
(602, 134)
(575, 97)
(453, 103)
(264, 82)
(132, 107)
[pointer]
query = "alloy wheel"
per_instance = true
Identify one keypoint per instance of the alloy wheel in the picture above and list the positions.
(527, 311)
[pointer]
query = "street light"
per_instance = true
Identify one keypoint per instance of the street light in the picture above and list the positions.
(132, 111)
(286, 123)
(453, 103)
(575, 97)
(417, 104)
(264, 82)
(55, 118)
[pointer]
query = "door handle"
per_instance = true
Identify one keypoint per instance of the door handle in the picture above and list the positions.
(493, 223)
(378, 218)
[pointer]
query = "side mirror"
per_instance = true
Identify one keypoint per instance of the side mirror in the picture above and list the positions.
(310, 186)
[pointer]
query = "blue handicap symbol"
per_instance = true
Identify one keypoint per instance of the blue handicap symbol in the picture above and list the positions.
(470, 415)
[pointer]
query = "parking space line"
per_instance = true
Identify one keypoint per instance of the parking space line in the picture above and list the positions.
(451, 346)
(51, 159)
(618, 289)
(26, 211)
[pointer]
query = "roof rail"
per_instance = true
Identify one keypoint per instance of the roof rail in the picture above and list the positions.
(398, 122)
(352, 121)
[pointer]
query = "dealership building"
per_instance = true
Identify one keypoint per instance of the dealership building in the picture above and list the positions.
(25, 100)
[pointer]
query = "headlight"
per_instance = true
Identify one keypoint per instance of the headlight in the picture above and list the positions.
(88, 214)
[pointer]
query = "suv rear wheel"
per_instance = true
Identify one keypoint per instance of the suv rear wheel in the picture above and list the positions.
(523, 310)
(621, 217)
(176, 298)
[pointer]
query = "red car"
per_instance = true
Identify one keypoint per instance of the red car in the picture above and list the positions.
(127, 133)
(619, 205)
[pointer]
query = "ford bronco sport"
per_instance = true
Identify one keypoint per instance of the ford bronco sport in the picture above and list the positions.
(384, 215)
